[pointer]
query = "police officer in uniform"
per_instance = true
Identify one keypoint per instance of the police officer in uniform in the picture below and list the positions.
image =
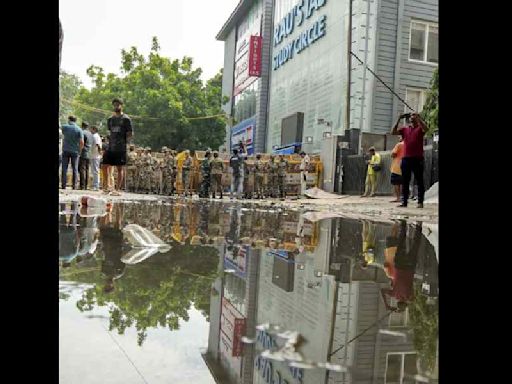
(282, 167)
(272, 169)
(259, 177)
(186, 168)
(204, 190)
(216, 171)
(131, 168)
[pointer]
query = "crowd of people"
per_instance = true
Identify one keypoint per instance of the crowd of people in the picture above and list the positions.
(407, 160)
(139, 171)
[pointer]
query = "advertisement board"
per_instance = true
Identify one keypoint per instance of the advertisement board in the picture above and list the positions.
(244, 132)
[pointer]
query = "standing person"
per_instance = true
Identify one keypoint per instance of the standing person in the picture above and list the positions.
(204, 190)
(217, 169)
(95, 158)
(247, 194)
(259, 175)
(282, 167)
(272, 177)
(374, 167)
(105, 183)
(71, 148)
(412, 162)
(304, 165)
(61, 137)
(185, 173)
(235, 164)
(85, 156)
(131, 169)
(396, 171)
(244, 170)
(121, 131)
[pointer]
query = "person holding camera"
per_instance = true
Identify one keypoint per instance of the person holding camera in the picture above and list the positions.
(412, 161)
(374, 168)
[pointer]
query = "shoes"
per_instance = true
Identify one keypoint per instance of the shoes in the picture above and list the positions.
(420, 205)
(402, 205)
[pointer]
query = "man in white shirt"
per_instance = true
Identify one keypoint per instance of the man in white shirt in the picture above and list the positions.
(95, 158)
(304, 165)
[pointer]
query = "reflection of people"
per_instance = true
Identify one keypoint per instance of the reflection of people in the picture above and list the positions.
(402, 273)
(69, 240)
(368, 235)
(111, 238)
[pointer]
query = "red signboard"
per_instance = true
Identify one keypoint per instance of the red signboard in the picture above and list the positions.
(233, 327)
(255, 56)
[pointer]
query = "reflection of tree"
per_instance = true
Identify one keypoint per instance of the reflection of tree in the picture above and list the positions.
(424, 320)
(158, 292)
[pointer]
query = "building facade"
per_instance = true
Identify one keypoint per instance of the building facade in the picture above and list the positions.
(309, 88)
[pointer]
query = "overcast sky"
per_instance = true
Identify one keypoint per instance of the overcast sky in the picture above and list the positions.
(95, 31)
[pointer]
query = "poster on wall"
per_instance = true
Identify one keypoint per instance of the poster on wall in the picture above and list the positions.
(244, 132)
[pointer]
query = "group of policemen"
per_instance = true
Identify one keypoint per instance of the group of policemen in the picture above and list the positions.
(145, 173)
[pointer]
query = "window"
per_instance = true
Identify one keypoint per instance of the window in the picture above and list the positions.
(401, 368)
(415, 98)
(424, 42)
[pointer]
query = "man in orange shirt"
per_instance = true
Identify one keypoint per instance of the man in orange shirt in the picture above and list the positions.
(396, 172)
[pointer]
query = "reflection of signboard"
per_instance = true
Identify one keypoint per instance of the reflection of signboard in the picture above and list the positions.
(232, 325)
(236, 259)
(244, 132)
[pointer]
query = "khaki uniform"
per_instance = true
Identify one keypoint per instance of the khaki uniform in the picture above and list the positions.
(185, 175)
(281, 177)
(272, 169)
(131, 170)
(259, 178)
(168, 174)
(217, 169)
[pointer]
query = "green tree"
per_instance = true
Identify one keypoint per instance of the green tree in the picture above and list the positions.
(424, 320)
(69, 86)
(168, 93)
(157, 292)
(431, 108)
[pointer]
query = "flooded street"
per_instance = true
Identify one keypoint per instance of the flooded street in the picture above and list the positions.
(211, 292)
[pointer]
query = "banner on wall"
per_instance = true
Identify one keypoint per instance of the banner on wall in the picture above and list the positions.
(244, 132)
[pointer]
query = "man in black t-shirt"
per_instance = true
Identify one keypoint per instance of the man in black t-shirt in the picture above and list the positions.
(121, 131)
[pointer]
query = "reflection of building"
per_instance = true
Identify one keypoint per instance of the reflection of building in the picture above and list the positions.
(327, 300)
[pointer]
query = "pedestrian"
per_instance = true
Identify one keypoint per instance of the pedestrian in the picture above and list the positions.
(61, 138)
(244, 170)
(185, 173)
(259, 175)
(121, 131)
(272, 169)
(71, 148)
(85, 156)
(131, 169)
(217, 169)
(282, 167)
(412, 161)
(236, 168)
(373, 172)
(204, 190)
(95, 158)
(304, 168)
(396, 172)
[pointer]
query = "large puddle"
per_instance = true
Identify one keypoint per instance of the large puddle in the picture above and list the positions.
(214, 292)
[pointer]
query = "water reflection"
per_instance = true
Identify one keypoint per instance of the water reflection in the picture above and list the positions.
(333, 300)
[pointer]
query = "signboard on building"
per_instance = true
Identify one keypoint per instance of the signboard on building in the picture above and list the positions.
(248, 67)
(244, 132)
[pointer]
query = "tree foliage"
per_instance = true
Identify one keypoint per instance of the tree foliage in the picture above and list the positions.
(431, 108)
(69, 86)
(157, 292)
(169, 90)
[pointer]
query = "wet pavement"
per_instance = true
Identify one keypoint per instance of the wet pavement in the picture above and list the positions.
(180, 291)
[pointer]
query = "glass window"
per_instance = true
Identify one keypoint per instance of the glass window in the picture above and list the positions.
(393, 369)
(433, 45)
(401, 368)
(245, 103)
(424, 44)
(418, 32)
(415, 98)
